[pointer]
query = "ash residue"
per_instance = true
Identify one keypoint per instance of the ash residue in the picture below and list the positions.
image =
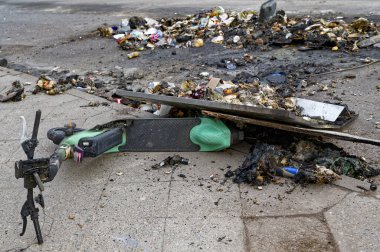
(171, 161)
(312, 161)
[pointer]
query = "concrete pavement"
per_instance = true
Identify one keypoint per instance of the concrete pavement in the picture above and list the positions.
(117, 202)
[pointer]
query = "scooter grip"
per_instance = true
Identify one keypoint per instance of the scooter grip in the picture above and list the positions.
(56, 135)
(94, 146)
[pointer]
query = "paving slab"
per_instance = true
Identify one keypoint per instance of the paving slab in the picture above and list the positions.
(13, 198)
(10, 128)
(133, 200)
(7, 71)
(204, 234)
(7, 178)
(71, 199)
(8, 150)
(273, 200)
(206, 200)
(354, 223)
(25, 106)
(10, 239)
(46, 103)
(125, 233)
(7, 80)
(288, 234)
(206, 165)
(58, 235)
(135, 167)
(75, 111)
(352, 184)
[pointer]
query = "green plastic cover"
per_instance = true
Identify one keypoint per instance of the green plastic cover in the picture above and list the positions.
(74, 139)
(211, 135)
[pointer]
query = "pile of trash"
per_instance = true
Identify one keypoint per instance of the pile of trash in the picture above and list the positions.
(14, 93)
(95, 82)
(254, 93)
(243, 29)
(305, 160)
(89, 82)
(52, 87)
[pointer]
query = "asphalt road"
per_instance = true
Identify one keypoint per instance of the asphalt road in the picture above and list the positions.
(298, 6)
(27, 23)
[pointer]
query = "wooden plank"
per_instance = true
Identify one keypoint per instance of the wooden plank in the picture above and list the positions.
(295, 129)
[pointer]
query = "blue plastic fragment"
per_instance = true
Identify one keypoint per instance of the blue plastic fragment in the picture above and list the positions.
(287, 171)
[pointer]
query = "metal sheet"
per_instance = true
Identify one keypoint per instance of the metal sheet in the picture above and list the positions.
(233, 109)
(290, 128)
(325, 111)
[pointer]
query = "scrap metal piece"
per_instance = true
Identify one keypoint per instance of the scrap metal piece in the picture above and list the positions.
(267, 10)
(235, 109)
(295, 129)
(314, 109)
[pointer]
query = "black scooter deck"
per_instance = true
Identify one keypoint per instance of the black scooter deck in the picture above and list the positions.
(163, 135)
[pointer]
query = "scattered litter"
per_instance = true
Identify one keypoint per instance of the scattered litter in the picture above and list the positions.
(171, 161)
(14, 93)
(277, 78)
(243, 29)
(215, 177)
(216, 203)
(373, 187)
(105, 31)
(204, 74)
(95, 104)
(230, 65)
(71, 216)
(45, 83)
(198, 43)
(324, 88)
(119, 173)
(89, 82)
(221, 238)
(3, 62)
(133, 55)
